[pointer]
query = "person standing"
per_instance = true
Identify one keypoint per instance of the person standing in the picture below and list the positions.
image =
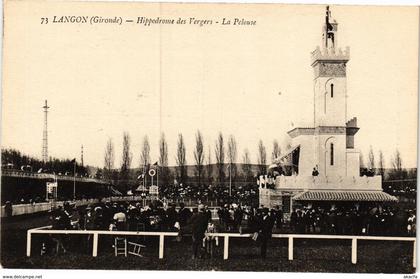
(183, 215)
(8, 208)
(171, 217)
(279, 217)
(199, 223)
(294, 221)
(265, 231)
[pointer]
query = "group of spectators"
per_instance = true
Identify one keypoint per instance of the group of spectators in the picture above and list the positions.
(233, 217)
(374, 220)
(259, 222)
(245, 193)
(133, 217)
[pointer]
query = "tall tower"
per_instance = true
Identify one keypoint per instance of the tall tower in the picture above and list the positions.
(330, 81)
(330, 104)
(45, 134)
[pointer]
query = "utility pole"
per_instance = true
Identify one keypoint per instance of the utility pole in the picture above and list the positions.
(45, 134)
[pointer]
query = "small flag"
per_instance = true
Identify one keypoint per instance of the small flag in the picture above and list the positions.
(155, 164)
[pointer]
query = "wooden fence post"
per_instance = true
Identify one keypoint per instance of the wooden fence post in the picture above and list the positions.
(226, 248)
(161, 245)
(354, 250)
(28, 243)
(290, 248)
(414, 254)
(95, 245)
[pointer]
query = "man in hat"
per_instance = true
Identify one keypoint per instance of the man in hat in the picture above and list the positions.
(265, 231)
(171, 216)
(199, 224)
(183, 215)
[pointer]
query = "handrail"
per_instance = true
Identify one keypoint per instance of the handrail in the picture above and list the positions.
(16, 173)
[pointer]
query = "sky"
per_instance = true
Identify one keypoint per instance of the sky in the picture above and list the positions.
(253, 82)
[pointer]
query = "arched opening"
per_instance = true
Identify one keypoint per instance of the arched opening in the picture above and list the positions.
(332, 154)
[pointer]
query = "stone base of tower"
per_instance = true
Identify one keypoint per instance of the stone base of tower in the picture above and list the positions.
(293, 191)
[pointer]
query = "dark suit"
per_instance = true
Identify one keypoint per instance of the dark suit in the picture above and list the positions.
(183, 215)
(266, 227)
(171, 217)
(199, 224)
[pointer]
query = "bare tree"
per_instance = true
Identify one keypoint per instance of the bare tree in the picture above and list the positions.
(397, 161)
(262, 157)
(381, 166)
(163, 151)
(371, 159)
(276, 151)
(397, 171)
(109, 159)
(361, 160)
(209, 167)
(163, 160)
(232, 155)
(199, 156)
(246, 164)
(181, 159)
(145, 154)
(220, 158)
(125, 162)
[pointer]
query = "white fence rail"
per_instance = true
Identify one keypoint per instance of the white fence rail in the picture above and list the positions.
(226, 236)
(21, 209)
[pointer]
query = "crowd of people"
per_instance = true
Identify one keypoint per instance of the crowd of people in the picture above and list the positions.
(260, 223)
(375, 220)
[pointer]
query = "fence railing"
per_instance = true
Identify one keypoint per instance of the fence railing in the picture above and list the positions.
(27, 174)
(226, 236)
(30, 208)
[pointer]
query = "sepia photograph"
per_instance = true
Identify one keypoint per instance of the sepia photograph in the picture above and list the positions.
(209, 137)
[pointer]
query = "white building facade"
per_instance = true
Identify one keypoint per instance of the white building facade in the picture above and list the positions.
(323, 158)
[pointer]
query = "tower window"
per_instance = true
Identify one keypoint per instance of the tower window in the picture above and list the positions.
(332, 90)
(332, 154)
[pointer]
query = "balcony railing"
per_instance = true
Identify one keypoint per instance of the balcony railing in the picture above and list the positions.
(328, 183)
(27, 174)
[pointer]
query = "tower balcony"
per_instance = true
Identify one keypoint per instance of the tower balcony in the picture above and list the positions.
(330, 54)
(349, 183)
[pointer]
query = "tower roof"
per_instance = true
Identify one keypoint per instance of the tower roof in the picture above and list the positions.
(329, 52)
(330, 55)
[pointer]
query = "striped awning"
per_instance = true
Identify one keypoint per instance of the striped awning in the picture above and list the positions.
(344, 196)
(281, 160)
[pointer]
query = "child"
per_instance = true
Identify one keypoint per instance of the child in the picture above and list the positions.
(209, 242)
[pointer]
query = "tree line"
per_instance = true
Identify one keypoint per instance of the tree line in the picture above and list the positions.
(206, 171)
(375, 166)
(227, 164)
